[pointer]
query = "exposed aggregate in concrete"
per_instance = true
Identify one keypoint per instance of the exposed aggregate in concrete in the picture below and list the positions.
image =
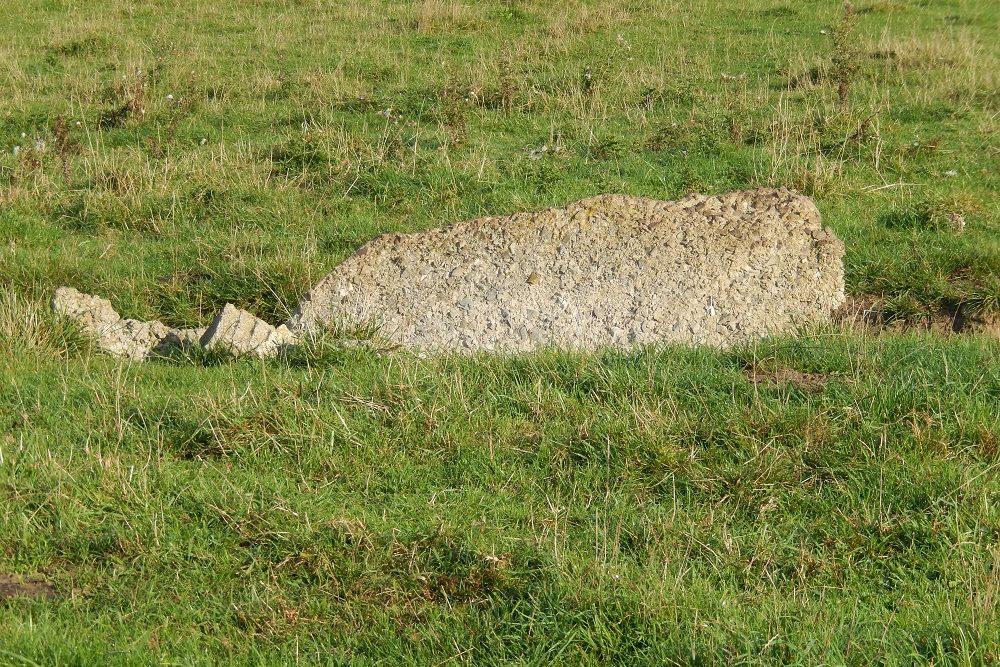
(609, 271)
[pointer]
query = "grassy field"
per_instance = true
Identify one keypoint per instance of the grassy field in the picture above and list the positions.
(832, 498)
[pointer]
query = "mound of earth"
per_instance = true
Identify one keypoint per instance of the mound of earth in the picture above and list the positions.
(608, 271)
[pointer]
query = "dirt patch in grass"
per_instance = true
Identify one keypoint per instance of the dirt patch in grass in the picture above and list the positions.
(770, 373)
(32, 586)
(874, 315)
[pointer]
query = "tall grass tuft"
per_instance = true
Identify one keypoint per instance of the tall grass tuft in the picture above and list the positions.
(27, 325)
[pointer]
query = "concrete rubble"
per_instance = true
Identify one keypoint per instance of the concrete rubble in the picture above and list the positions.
(241, 333)
(95, 316)
(611, 271)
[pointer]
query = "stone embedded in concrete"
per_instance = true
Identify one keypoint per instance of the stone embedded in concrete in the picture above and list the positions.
(609, 271)
(241, 333)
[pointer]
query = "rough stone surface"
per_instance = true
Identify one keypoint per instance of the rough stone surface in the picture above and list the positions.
(609, 271)
(91, 312)
(243, 334)
(125, 338)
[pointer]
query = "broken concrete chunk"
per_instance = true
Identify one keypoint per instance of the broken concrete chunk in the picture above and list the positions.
(233, 329)
(92, 313)
(178, 339)
(133, 339)
(184, 337)
(608, 271)
(241, 333)
(124, 338)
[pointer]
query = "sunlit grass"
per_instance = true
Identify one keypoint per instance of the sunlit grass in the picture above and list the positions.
(351, 503)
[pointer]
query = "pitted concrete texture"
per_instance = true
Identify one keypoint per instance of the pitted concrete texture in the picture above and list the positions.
(241, 333)
(609, 271)
(125, 338)
(92, 313)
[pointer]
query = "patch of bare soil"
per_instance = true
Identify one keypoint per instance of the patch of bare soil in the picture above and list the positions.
(16, 586)
(771, 374)
(868, 313)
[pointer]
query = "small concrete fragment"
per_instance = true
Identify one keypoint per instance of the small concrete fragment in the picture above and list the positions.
(179, 339)
(241, 333)
(184, 338)
(92, 313)
(131, 339)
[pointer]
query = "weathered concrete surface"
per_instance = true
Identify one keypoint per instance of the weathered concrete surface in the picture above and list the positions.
(125, 338)
(241, 333)
(608, 271)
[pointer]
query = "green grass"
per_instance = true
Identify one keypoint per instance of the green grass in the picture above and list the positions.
(340, 505)
(647, 508)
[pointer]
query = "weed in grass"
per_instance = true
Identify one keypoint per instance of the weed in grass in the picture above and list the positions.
(845, 53)
(126, 100)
